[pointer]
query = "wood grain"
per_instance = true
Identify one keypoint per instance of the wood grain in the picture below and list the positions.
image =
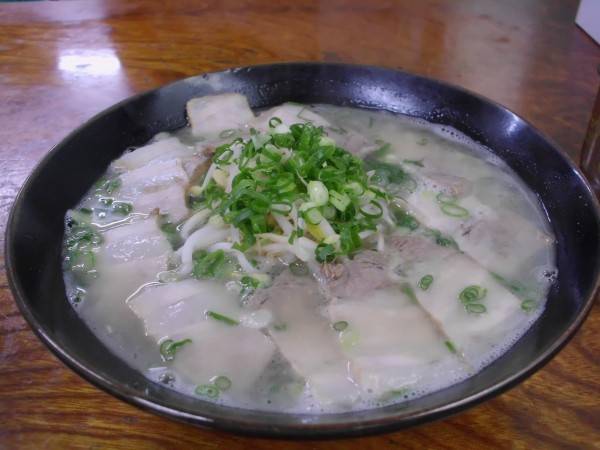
(61, 62)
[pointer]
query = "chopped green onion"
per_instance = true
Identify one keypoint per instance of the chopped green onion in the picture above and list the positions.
(392, 394)
(170, 231)
(339, 201)
(441, 239)
(378, 212)
(324, 253)
(274, 121)
(528, 305)
(471, 296)
(318, 193)
(313, 216)
(207, 390)
(349, 338)
(328, 212)
(449, 207)
(404, 219)
(106, 201)
(222, 318)
(475, 308)
(222, 382)
(169, 347)
(354, 188)
(122, 208)
(422, 141)
(340, 326)
(453, 210)
(223, 157)
(108, 187)
(283, 208)
(211, 265)
(407, 290)
(445, 198)
(279, 172)
(450, 346)
(425, 282)
(519, 289)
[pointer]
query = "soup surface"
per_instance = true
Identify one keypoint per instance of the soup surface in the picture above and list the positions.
(310, 258)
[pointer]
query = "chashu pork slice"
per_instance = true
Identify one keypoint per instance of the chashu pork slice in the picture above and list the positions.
(160, 184)
(212, 114)
(391, 342)
(307, 340)
(477, 327)
(179, 310)
(162, 150)
(131, 255)
(499, 239)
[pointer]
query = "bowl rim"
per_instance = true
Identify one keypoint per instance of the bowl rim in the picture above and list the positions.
(299, 430)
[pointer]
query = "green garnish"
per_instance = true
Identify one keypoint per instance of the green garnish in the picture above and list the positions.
(107, 186)
(392, 394)
(170, 231)
(407, 290)
(517, 288)
(441, 239)
(325, 253)
(340, 326)
(211, 265)
(169, 347)
(249, 285)
(382, 151)
(422, 141)
(475, 308)
(105, 201)
(425, 282)
(274, 121)
(81, 243)
(301, 170)
(349, 338)
(528, 305)
(453, 210)
(222, 318)
(404, 219)
(471, 296)
(222, 382)
(207, 390)
(450, 346)
(449, 206)
(387, 174)
(121, 208)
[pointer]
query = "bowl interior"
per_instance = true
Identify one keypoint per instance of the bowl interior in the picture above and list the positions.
(35, 231)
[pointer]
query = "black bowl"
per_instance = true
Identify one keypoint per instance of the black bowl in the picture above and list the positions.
(35, 232)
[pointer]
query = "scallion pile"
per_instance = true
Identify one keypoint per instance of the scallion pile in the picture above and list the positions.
(289, 190)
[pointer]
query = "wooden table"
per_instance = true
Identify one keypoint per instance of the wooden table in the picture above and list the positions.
(62, 62)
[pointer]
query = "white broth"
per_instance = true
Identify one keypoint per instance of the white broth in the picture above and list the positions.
(309, 258)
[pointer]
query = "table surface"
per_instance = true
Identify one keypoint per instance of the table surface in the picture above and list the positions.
(61, 62)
